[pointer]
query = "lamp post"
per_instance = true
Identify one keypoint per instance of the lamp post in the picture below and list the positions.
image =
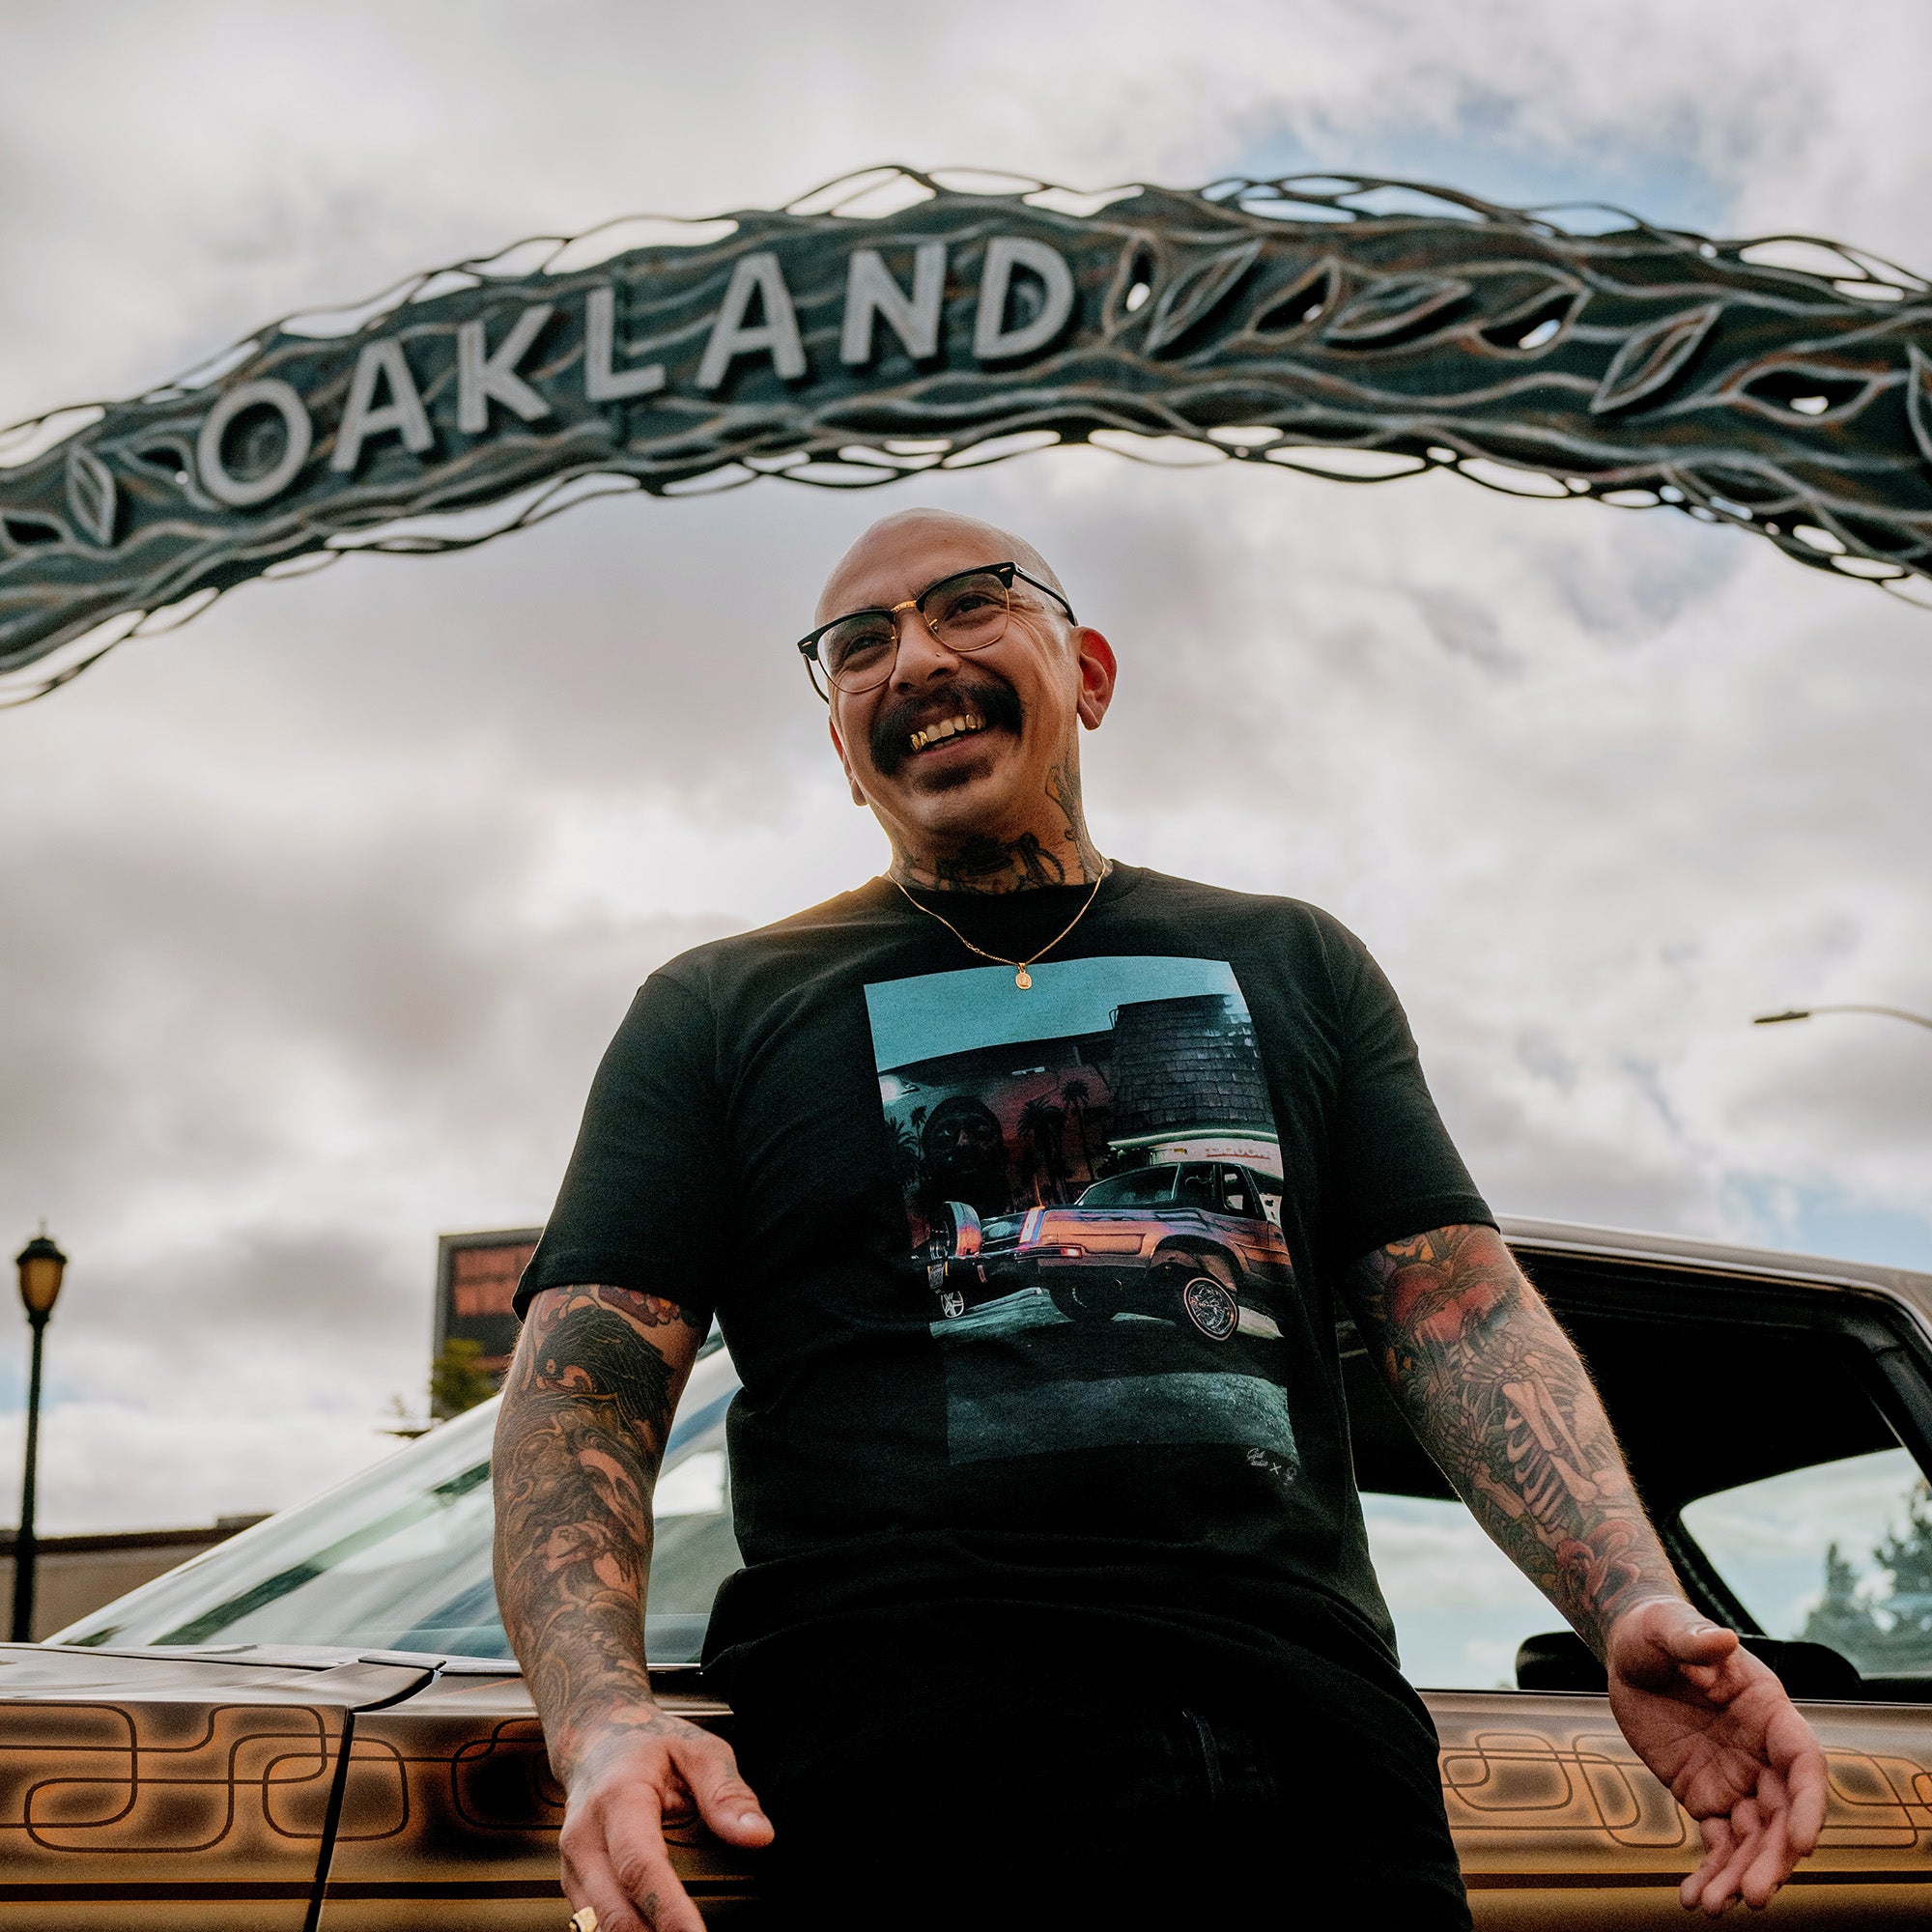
(42, 1264)
(1805, 1013)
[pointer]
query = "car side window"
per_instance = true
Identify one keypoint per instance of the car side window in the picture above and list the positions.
(1143, 1187)
(1197, 1188)
(1236, 1195)
(1839, 1553)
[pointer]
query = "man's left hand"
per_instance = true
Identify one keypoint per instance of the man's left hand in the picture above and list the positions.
(1716, 1726)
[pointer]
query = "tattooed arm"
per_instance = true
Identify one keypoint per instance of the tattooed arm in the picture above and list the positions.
(1498, 1395)
(587, 1407)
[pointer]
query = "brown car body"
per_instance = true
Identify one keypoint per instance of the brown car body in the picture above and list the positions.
(327, 1791)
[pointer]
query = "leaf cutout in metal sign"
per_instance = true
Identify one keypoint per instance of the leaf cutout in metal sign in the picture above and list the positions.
(1133, 286)
(1918, 399)
(1301, 303)
(166, 459)
(1652, 357)
(1801, 390)
(1195, 296)
(91, 494)
(1532, 325)
(1394, 307)
(29, 532)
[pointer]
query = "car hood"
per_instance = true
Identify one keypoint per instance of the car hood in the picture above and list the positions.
(236, 1673)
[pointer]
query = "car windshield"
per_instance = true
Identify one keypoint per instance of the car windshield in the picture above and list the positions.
(1143, 1187)
(398, 1558)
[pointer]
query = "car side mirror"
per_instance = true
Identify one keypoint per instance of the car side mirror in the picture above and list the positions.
(956, 1230)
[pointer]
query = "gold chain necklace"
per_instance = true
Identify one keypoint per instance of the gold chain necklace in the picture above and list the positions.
(1022, 979)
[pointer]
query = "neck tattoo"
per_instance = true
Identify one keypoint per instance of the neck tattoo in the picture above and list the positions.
(1022, 979)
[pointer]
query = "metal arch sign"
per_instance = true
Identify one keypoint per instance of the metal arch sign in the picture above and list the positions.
(901, 321)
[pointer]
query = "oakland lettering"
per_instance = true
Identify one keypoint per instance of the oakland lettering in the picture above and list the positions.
(496, 367)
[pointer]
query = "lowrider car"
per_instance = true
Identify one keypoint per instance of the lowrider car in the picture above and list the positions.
(1191, 1243)
(316, 1726)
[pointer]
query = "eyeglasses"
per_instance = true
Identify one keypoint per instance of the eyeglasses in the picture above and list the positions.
(966, 612)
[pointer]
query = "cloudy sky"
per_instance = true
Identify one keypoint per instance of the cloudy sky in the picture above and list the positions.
(319, 911)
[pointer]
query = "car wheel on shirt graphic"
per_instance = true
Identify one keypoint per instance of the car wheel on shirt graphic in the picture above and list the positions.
(1189, 1243)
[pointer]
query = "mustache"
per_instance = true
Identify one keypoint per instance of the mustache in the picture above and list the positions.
(889, 739)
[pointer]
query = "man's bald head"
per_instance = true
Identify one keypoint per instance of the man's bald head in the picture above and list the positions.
(893, 546)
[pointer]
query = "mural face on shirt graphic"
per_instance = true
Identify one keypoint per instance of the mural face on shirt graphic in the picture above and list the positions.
(963, 1157)
(1092, 1178)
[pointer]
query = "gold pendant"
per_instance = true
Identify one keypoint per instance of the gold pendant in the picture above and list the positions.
(1023, 978)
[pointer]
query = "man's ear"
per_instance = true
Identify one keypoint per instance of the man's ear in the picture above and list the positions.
(858, 798)
(1094, 656)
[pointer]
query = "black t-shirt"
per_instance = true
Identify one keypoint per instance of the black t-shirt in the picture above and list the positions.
(1032, 1290)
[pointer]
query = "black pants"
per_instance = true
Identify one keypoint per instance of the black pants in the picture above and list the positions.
(1115, 1816)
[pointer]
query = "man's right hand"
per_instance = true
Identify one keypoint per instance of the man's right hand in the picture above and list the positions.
(625, 1787)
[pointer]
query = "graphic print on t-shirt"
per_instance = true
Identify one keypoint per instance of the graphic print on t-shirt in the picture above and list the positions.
(1093, 1183)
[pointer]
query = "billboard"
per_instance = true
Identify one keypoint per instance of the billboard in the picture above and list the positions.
(476, 1276)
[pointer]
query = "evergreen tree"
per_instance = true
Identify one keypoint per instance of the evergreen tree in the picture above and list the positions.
(1843, 1619)
(1907, 1554)
(457, 1378)
(1886, 1632)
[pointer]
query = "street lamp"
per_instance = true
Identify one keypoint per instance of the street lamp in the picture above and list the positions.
(42, 1264)
(1805, 1013)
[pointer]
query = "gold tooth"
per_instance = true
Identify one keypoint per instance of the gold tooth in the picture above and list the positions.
(962, 723)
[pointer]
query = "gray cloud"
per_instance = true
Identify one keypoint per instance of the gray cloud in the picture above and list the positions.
(1465, 629)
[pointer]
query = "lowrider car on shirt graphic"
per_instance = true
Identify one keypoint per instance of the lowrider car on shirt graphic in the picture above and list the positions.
(1191, 1242)
(317, 1727)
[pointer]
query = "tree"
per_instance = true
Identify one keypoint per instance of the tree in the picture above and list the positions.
(458, 1380)
(1907, 1554)
(405, 1425)
(906, 1162)
(1888, 1633)
(1078, 1097)
(1844, 1619)
(1042, 1127)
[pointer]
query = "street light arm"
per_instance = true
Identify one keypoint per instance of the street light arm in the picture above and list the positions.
(1805, 1013)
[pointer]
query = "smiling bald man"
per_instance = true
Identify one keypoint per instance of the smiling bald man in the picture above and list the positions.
(1028, 1189)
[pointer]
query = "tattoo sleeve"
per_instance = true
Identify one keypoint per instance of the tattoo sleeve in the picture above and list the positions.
(587, 1411)
(1499, 1396)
